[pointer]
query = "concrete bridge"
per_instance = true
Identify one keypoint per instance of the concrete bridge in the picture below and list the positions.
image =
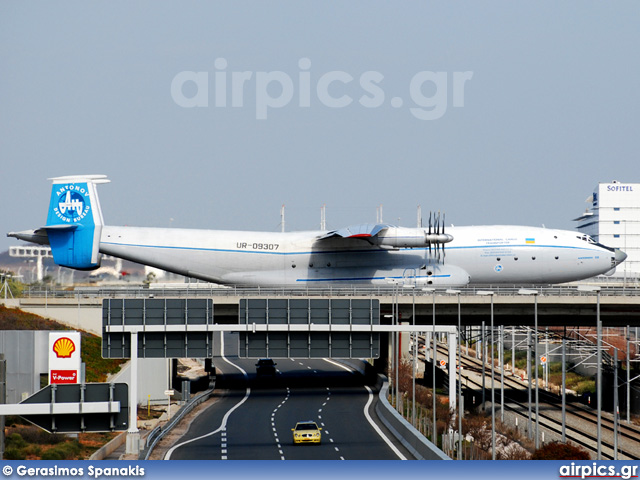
(556, 306)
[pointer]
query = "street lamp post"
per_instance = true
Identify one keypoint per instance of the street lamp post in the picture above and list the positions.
(493, 398)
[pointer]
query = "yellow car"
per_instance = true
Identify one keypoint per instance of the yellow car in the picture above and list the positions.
(306, 432)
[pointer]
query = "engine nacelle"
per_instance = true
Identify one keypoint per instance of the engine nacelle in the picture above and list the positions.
(401, 237)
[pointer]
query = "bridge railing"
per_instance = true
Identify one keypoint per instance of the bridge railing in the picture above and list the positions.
(211, 290)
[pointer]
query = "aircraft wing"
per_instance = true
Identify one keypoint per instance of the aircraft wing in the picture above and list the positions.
(363, 231)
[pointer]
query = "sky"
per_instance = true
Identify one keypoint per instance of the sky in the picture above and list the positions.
(215, 114)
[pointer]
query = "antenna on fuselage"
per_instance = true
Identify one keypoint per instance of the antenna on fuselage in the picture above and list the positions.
(282, 218)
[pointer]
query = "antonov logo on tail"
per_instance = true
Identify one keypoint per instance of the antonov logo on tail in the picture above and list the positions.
(72, 207)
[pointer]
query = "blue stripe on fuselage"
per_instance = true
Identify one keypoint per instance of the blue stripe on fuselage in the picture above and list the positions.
(325, 252)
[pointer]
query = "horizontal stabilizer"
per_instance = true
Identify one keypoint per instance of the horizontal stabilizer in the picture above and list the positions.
(60, 227)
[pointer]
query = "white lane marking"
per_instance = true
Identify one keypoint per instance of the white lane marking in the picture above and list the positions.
(223, 426)
(344, 367)
(377, 429)
(273, 425)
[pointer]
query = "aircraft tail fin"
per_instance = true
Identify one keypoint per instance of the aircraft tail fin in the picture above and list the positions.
(74, 222)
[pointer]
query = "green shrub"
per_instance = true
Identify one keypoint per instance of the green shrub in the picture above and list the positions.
(52, 454)
(63, 451)
(12, 453)
(15, 440)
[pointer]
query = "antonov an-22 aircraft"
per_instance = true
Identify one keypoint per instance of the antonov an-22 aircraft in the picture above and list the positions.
(360, 254)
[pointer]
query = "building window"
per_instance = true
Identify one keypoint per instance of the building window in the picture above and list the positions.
(616, 222)
(616, 209)
(616, 236)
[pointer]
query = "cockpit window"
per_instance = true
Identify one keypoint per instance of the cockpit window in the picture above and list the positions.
(586, 238)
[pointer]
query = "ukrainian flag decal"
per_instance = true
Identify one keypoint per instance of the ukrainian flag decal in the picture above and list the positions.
(530, 240)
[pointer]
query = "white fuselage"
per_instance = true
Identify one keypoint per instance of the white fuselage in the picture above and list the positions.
(477, 255)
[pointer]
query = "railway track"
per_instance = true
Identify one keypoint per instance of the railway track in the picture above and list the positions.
(580, 421)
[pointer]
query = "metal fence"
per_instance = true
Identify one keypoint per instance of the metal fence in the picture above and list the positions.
(212, 290)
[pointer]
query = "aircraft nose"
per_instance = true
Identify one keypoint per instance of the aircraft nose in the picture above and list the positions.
(620, 256)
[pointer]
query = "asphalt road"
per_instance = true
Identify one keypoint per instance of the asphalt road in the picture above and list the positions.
(253, 418)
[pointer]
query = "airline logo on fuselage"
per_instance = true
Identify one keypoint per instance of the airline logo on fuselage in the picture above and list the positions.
(73, 203)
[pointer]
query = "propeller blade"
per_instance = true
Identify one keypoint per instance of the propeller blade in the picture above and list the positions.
(444, 252)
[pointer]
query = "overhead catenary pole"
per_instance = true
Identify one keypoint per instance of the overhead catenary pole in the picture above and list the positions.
(615, 404)
(434, 359)
(433, 368)
(3, 399)
(535, 352)
(415, 360)
(525, 291)
(484, 361)
(564, 391)
(599, 377)
(628, 375)
(588, 288)
(502, 373)
(493, 390)
(530, 417)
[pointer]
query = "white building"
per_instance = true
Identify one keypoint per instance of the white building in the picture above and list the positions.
(614, 220)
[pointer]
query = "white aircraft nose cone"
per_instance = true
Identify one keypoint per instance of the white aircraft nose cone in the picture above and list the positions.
(620, 256)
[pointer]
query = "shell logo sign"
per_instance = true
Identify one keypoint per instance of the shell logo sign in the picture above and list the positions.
(64, 357)
(64, 347)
